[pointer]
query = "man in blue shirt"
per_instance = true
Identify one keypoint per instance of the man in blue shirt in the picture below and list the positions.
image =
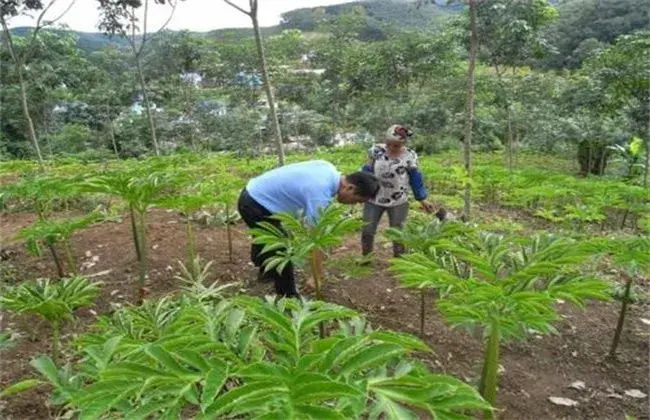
(299, 188)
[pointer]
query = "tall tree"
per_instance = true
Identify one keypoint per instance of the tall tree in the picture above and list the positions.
(623, 72)
(120, 16)
(12, 8)
(113, 93)
(510, 35)
(469, 123)
(252, 13)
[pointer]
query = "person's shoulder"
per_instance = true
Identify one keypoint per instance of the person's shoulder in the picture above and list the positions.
(411, 153)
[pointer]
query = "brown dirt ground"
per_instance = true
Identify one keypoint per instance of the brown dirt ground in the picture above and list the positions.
(533, 371)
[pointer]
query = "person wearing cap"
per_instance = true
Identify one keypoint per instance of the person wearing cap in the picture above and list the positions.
(301, 189)
(396, 167)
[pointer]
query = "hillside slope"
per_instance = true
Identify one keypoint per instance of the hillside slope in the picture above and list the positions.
(379, 14)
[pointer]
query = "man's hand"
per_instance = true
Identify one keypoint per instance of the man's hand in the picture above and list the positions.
(427, 207)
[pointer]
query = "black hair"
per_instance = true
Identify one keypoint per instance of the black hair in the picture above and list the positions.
(366, 184)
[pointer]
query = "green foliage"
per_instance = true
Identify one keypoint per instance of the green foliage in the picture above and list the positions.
(250, 357)
(138, 187)
(194, 278)
(297, 240)
(510, 30)
(510, 287)
(631, 253)
(631, 154)
(54, 302)
(602, 21)
(41, 193)
(51, 232)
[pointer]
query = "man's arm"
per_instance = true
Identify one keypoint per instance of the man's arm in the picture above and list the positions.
(370, 163)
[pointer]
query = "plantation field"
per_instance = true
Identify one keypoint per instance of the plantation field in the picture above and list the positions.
(183, 204)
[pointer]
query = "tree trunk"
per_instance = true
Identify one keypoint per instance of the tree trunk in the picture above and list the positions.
(590, 158)
(647, 160)
(147, 105)
(601, 164)
(28, 117)
(267, 85)
(511, 145)
(111, 134)
(23, 93)
(469, 123)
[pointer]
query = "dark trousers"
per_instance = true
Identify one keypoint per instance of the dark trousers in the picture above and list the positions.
(372, 215)
(253, 213)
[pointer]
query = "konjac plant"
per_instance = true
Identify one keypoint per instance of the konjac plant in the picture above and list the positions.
(55, 302)
(247, 357)
(303, 244)
(632, 256)
(420, 236)
(51, 233)
(140, 189)
(511, 287)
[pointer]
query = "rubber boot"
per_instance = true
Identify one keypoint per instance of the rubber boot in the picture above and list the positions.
(367, 244)
(398, 249)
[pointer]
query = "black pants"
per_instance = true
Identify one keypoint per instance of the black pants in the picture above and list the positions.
(253, 213)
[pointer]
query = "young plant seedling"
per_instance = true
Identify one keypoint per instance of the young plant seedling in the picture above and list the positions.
(54, 302)
(632, 255)
(54, 232)
(420, 236)
(301, 244)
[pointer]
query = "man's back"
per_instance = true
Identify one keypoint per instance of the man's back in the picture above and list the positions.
(305, 186)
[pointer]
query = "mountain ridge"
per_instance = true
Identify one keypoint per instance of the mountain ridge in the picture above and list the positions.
(379, 15)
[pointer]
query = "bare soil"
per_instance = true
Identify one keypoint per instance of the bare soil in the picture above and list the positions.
(532, 371)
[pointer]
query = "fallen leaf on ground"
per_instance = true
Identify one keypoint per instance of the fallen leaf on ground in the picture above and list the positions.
(579, 385)
(566, 402)
(635, 393)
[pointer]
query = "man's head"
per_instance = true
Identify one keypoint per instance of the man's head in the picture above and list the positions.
(358, 187)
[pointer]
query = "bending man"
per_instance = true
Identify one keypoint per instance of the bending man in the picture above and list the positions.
(305, 188)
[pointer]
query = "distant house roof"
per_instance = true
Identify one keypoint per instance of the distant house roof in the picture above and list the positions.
(317, 72)
(248, 79)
